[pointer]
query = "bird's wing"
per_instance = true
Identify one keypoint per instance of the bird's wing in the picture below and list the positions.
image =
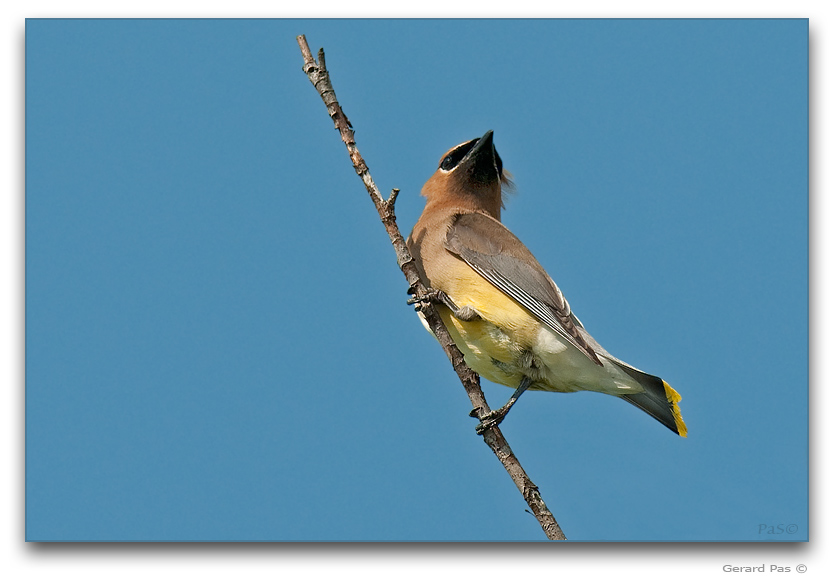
(496, 254)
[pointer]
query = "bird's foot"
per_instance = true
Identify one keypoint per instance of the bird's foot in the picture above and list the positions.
(491, 419)
(494, 418)
(432, 296)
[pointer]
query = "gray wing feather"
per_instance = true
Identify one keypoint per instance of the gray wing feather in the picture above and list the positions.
(499, 257)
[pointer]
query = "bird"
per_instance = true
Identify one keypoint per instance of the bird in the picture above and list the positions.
(504, 312)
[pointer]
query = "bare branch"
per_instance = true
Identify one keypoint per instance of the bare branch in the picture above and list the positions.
(319, 76)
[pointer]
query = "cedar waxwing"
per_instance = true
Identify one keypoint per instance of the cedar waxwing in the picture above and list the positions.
(505, 314)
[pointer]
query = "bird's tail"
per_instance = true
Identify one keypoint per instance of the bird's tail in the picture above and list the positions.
(659, 399)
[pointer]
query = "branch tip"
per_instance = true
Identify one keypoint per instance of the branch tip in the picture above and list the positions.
(305, 48)
(392, 198)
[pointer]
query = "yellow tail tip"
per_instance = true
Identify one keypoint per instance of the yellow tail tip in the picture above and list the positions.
(673, 397)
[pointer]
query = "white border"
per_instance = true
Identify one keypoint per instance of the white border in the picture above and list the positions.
(127, 561)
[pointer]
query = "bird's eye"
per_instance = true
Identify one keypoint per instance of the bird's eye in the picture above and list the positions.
(455, 155)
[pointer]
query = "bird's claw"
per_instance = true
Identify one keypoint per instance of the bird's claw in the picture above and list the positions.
(490, 420)
(418, 303)
(430, 297)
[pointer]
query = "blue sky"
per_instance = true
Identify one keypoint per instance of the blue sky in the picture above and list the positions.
(217, 341)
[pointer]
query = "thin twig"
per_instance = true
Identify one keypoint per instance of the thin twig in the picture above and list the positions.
(319, 76)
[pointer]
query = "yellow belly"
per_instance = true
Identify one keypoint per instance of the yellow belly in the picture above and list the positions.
(493, 345)
(508, 343)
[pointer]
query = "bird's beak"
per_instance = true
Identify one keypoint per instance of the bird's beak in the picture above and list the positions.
(480, 161)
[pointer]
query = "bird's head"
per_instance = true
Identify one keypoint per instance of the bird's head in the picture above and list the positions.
(470, 175)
